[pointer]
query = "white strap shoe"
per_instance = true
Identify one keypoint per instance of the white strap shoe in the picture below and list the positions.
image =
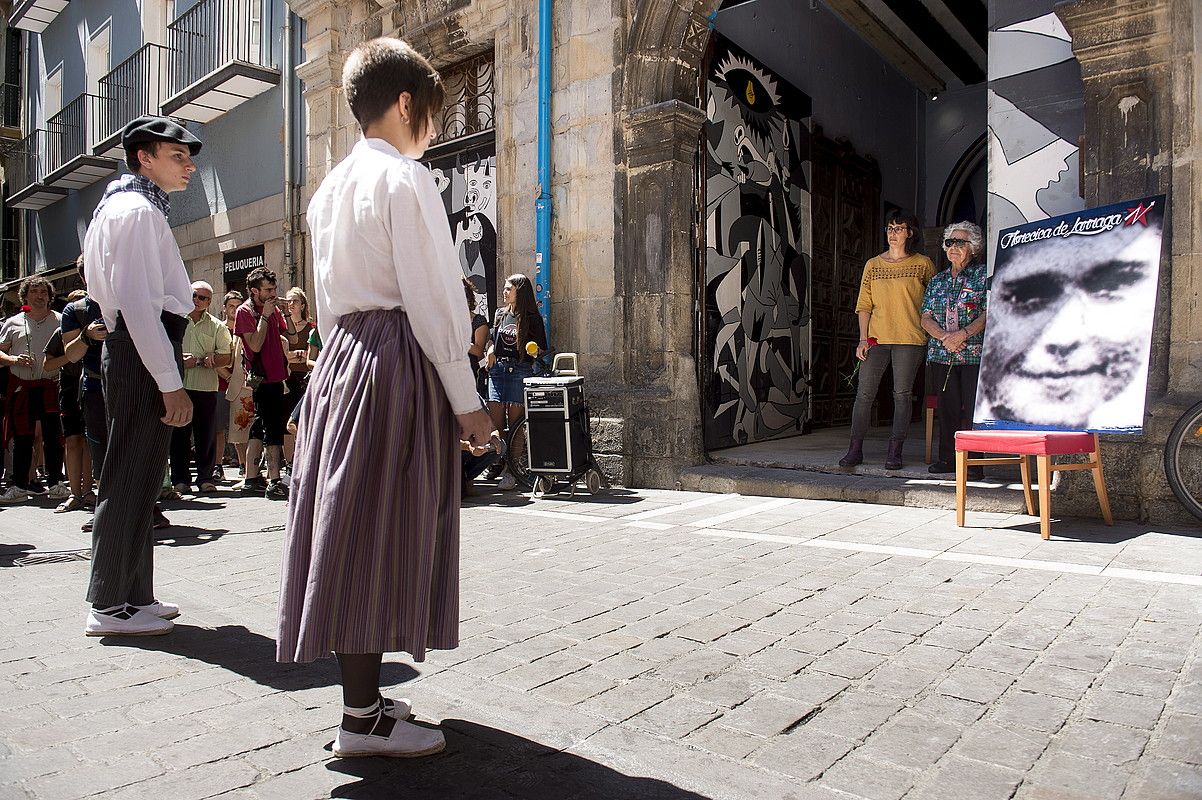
(406, 740)
(125, 620)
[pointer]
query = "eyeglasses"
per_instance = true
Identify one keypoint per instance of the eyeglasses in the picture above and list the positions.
(205, 297)
(897, 229)
(956, 243)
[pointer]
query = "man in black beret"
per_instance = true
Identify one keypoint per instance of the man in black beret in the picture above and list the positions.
(134, 271)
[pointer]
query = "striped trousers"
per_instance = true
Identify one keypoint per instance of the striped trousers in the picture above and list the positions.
(132, 475)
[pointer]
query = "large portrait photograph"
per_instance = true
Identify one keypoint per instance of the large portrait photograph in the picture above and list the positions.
(1071, 308)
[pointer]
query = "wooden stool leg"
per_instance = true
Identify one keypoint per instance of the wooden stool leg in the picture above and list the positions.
(1043, 466)
(1099, 481)
(930, 431)
(1024, 468)
(961, 484)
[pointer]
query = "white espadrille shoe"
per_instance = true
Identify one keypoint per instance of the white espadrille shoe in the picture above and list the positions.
(125, 620)
(406, 740)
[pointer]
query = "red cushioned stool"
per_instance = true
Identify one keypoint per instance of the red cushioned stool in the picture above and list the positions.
(1041, 444)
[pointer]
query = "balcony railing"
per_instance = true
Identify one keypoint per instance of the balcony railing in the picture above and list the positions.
(136, 86)
(26, 173)
(35, 15)
(69, 160)
(219, 59)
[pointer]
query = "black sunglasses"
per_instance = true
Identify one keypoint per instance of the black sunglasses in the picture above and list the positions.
(205, 297)
(956, 243)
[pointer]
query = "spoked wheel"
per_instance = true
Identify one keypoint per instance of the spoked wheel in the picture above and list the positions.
(517, 455)
(1183, 460)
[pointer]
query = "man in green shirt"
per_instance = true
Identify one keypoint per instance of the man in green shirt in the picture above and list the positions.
(207, 345)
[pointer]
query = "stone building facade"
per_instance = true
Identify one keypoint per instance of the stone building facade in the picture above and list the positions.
(626, 121)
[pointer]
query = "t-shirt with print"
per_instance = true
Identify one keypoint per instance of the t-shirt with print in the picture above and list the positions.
(953, 303)
(505, 335)
(269, 362)
(77, 316)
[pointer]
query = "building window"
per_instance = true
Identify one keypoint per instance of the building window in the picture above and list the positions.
(469, 105)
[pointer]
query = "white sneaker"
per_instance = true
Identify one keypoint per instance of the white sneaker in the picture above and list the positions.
(161, 610)
(507, 482)
(125, 620)
(405, 741)
(59, 491)
(13, 495)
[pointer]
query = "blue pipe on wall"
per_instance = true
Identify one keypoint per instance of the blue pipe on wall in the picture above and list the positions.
(542, 206)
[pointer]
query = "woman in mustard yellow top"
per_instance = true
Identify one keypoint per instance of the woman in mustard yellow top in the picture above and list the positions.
(891, 332)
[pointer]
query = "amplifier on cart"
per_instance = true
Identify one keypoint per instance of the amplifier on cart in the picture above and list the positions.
(557, 425)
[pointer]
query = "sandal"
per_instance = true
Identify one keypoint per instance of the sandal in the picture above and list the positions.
(72, 503)
(405, 740)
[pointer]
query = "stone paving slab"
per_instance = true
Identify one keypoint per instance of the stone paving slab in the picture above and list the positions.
(648, 644)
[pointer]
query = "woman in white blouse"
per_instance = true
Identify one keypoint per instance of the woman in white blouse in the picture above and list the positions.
(371, 562)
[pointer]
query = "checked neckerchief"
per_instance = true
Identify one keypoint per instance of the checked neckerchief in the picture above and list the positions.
(140, 184)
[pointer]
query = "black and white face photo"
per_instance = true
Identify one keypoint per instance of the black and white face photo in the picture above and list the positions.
(1070, 328)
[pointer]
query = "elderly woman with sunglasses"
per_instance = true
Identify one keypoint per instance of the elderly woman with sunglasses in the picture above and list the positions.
(891, 293)
(953, 314)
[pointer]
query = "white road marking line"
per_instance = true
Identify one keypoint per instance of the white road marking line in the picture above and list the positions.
(666, 510)
(710, 522)
(1149, 575)
(863, 547)
(537, 512)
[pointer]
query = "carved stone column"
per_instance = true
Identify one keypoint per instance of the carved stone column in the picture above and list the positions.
(658, 288)
(1140, 70)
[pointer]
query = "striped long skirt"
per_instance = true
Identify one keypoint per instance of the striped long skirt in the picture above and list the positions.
(371, 556)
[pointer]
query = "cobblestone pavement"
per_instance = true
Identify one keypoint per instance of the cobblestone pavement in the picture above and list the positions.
(642, 645)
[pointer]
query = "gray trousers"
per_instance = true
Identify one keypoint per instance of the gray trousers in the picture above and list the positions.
(131, 478)
(905, 359)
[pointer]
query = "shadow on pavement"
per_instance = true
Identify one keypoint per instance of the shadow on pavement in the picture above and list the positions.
(483, 763)
(187, 535)
(1097, 532)
(252, 655)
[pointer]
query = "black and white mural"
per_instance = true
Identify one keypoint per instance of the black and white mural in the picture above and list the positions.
(469, 191)
(1036, 115)
(756, 325)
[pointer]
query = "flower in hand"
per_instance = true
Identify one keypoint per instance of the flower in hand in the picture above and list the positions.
(869, 343)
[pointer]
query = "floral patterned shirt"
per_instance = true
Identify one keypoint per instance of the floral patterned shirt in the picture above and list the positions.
(954, 303)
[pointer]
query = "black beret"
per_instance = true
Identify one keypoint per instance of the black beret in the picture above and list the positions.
(158, 129)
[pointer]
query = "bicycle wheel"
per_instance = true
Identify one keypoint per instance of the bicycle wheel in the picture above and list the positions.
(517, 457)
(1183, 460)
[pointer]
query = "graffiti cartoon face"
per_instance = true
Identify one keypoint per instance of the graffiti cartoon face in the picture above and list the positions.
(481, 188)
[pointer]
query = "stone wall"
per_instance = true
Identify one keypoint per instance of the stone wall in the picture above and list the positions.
(1139, 61)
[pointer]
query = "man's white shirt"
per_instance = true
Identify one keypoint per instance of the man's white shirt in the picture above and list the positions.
(133, 266)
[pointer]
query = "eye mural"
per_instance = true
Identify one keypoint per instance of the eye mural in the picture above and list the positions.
(756, 315)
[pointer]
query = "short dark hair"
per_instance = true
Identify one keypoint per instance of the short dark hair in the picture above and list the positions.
(31, 282)
(377, 72)
(131, 154)
(914, 240)
(258, 276)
